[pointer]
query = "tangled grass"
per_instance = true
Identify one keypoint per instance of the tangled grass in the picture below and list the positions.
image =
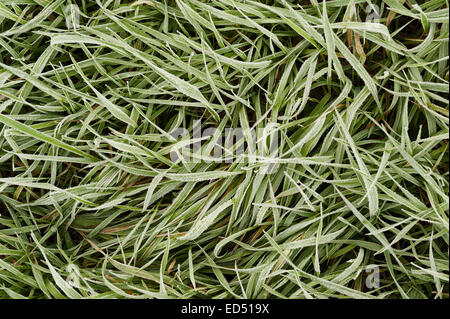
(92, 206)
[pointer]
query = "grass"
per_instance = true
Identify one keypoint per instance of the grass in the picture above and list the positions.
(92, 206)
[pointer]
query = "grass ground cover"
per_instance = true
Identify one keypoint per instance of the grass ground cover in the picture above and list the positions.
(99, 199)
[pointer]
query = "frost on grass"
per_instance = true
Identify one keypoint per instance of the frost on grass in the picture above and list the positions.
(344, 195)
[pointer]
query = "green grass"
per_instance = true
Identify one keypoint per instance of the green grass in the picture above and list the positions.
(92, 206)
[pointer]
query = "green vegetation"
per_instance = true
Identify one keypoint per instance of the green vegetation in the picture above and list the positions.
(92, 206)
